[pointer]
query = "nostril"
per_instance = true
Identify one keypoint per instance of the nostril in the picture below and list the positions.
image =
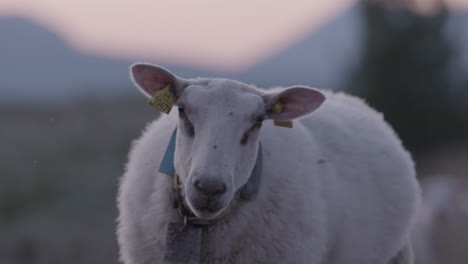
(210, 186)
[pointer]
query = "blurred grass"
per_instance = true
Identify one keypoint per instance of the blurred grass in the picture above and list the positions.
(59, 174)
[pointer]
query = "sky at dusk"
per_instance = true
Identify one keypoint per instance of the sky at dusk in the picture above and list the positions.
(229, 36)
(223, 35)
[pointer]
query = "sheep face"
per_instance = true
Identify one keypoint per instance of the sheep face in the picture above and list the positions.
(217, 142)
(218, 130)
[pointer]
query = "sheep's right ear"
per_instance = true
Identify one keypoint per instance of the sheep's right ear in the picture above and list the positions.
(292, 102)
(151, 78)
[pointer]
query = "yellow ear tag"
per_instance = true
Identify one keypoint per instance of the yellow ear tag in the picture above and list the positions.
(163, 100)
(277, 108)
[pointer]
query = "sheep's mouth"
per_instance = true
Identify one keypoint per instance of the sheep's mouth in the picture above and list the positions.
(207, 213)
(206, 208)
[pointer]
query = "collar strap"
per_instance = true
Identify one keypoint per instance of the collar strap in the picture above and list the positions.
(167, 163)
(251, 187)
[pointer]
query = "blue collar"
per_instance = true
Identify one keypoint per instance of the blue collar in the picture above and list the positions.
(246, 192)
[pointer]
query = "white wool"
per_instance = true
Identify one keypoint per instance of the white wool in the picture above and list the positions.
(337, 188)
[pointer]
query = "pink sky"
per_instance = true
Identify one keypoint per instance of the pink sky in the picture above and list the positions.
(213, 34)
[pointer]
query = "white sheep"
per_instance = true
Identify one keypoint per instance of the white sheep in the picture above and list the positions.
(336, 188)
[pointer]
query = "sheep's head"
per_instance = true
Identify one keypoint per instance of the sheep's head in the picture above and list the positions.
(218, 130)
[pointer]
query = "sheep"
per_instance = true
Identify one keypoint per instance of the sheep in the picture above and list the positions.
(336, 188)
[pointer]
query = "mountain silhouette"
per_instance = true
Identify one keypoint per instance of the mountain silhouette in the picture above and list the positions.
(38, 65)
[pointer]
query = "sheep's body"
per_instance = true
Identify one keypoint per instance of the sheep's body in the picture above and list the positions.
(337, 188)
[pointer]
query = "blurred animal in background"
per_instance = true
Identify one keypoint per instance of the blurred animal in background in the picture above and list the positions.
(338, 188)
(440, 235)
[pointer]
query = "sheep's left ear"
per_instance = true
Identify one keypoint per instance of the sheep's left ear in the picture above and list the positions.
(293, 102)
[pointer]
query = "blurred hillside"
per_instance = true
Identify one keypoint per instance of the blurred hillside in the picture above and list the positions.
(59, 179)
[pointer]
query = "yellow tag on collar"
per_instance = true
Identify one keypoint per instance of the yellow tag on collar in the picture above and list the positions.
(163, 100)
(288, 124)
(277, 108)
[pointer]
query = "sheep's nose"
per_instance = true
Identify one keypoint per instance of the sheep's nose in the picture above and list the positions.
(210, 186)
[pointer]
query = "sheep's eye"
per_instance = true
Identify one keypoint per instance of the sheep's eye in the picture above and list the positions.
(244, 139)
(187, 124)
(258, 123)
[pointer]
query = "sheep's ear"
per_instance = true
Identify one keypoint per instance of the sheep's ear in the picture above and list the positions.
(293, 102)
(151, 79)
